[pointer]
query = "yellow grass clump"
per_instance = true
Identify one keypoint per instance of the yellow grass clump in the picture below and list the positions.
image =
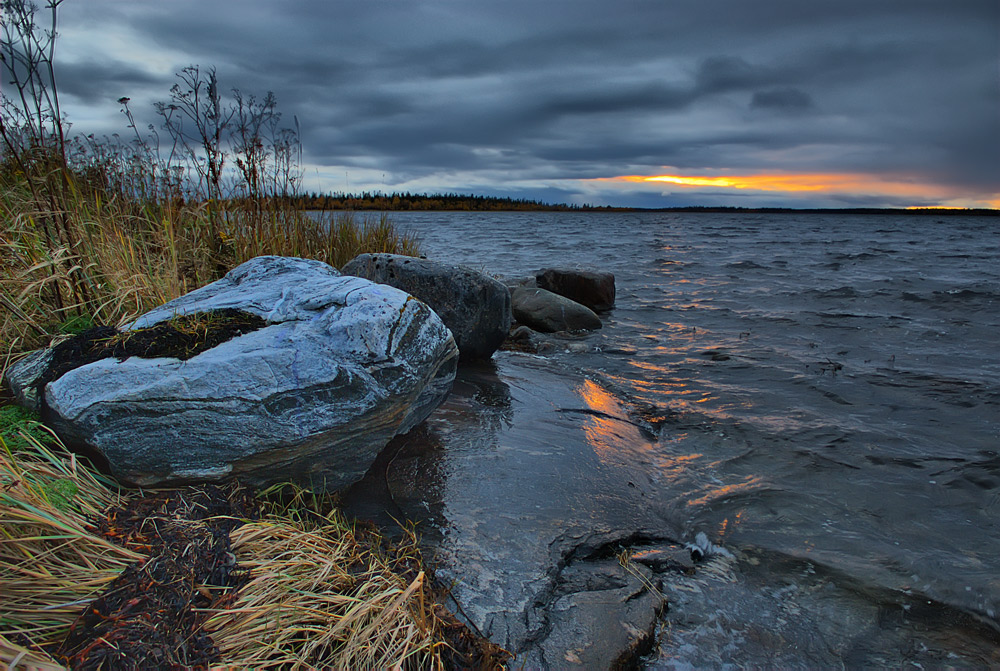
(104, 258)
(321, 597)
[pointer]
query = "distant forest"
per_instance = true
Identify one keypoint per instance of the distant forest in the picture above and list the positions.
(397, 202)
(422, 202)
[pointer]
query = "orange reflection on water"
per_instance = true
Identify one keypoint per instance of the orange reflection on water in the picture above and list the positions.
(672, 387)
(678, 467)
(603, 433)
(729, 524)
(749, 485)
(597, 398)
(606, 433)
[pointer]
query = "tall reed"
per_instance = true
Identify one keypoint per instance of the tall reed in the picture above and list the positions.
(101, 230)
(119, 256)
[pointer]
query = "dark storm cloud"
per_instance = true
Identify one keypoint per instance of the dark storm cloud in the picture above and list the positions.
(522, 90)
(105, 82)
(782, 99)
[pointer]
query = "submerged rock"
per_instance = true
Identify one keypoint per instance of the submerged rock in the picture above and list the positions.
(596, 290)
(548, 312)
(342, 365)
(473, 305)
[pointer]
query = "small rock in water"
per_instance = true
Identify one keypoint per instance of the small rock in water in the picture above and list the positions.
(596, 290)
(548, 312)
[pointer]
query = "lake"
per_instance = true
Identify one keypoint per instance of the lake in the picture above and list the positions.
(823, 396)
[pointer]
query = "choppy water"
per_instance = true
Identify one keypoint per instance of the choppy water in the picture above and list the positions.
(826, 390)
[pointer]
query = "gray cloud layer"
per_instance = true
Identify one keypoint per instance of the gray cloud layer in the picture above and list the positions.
(454, 93)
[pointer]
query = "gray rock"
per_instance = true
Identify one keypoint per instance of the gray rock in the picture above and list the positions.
(606, 625)
(473, 305)
(344, 366)
(596, 290)
(23, 375)
(548, 312)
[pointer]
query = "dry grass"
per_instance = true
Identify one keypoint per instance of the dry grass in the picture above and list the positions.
(51, 561)
(323, 596)
(110, 258)
(322, 593)
(19, 658)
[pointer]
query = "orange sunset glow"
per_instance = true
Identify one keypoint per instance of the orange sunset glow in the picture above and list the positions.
(860, 184)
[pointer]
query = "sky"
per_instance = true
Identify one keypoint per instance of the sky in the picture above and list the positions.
(645, 103)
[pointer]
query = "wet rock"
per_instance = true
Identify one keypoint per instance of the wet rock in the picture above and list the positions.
(521, 339)
(343, 365)
(513, 282)
(602, 625)
(596, 290)
(548, 312)
(527, 483)
(473, 305)
(671, 559)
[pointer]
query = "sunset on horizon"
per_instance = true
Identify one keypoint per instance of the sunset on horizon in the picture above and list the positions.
(853, 104)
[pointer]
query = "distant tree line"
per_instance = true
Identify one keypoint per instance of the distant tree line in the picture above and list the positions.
(422, 202)
(404, 202)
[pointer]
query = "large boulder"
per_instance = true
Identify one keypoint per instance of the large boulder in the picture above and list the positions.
(341, 366)
(473, 305)
(548, 312)
(596, 290)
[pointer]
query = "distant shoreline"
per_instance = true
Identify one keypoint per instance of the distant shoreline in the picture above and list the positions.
(407, 202)
(942, 212)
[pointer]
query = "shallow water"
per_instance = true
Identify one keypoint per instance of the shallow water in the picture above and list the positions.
(825, 396)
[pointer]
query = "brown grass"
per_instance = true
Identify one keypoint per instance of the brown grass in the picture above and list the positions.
(322, 592)
(51, 560)
(115, 258)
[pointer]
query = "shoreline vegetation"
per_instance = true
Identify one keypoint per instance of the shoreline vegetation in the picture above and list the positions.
(93, 233)
(97, 576)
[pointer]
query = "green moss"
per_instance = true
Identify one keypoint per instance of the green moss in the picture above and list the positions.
(16, 423)
(61, 493)
(76, 325)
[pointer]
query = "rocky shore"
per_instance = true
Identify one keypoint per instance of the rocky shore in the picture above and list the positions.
(522, 475)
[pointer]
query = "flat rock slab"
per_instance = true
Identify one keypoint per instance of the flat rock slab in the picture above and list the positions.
(473, 305)
(524, 483)
(343, 366)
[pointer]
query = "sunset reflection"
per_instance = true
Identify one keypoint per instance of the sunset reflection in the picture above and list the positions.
(677, 467)
(605, 432)
(597, 398)
(728, 525)
(749, 485)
